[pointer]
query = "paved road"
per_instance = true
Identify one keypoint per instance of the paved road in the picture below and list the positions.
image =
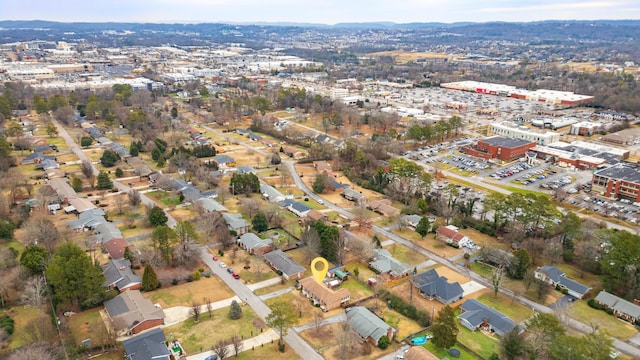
(62, 132)
(296, 343)
(621, 346)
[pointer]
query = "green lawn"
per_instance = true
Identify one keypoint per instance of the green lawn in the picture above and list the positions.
(357, 290)
(405, 255)
(164, 197)
(88, 325)
(197, 337)
(482, 344)
(581, 311)
(514, 310)
(443, 353)
(22, 318)
(481, 269)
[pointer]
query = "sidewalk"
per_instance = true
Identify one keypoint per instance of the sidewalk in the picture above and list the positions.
(263, 284)
(264, 338)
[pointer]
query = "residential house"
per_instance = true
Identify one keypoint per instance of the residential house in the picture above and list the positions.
(279, 261)
(450, 235)
(131, 313)
(353, 195)
(384, 208)
(111, 239)
(211, 194)
(299, 209)
(236, 223)
(476, 315)
(410, 221)
(47, 164)
(555, 277)
(254, 137)
(321, 166)
(225, 161)
(118, 275)
(139, 165)
(292, 152)
(419, 353)
(270, 193)
(384, 263)
(315, 215)
(150, 345)
(435, 287)
(119, 149)
(88, 220)
(79, 205)
(63, 189)
(327, 298)
(368, 325)
(210, 205)
(335, 185)
(621, 308)
(36, 157)
(254, 245)
(245, 170)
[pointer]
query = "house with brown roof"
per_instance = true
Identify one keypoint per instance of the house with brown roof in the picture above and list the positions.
(384, 208)
(320, 294)
(131, 313)
(315, 215)
(419, 353)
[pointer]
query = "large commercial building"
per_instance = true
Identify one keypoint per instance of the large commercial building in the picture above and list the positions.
(568, 158)
(515, 131)
(620, 181)
(554, 97)
(497, 147)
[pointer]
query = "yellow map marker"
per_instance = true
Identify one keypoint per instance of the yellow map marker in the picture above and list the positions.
(319, 274)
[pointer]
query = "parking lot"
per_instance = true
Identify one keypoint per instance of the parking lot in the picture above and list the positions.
(622, 209)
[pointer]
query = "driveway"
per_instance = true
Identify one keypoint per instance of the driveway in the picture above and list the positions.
(298, 345)
(563, 303)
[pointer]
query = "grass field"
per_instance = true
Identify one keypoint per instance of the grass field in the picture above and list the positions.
(197, 337)
(22, 318)
(620, 329)
(405, 255)
(479, 342)
(88, 325)
(443, 353)
(357, 290)
(183, 294)
(164, 197)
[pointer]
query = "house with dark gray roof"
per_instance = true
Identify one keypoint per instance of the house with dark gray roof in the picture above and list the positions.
(150, 345)
(88, 220)
(279, 261)
(131, 313)
(254, 245)
(236, 223)
(118, 275)
(299, 209)
(410, 221)
(555, 277)
(435, 287)
(245, 170)
(621, 308)
(47, 164)
(36, 157)
(368, 325)
(225, 161)
(476, 315)
(384, 263)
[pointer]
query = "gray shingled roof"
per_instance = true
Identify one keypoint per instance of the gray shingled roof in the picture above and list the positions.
(434, 285)
(366, 323)
(618, 304)
(118, 273)
(282, 262)
(251, 240)
(211, 205)
(271, 193)
(148, 345)
(385, 263)
(475, 312)
(235, 221)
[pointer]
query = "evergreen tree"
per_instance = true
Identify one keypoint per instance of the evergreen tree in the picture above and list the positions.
(320, 183)
(149, 279)
(119, 172)
(34, 258)
(86, 141)
(104, 182)
(445, 330)
(76, 184)
(520, 264)
(423, 226)
(235, 311)
(109, 158)
(157, 217)
(260, 222)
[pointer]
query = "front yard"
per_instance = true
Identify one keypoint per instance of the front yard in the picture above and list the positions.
(183, 294)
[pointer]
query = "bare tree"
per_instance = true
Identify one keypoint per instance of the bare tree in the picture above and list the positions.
(345, 342)
(34, 291)
(236, 343)
(311, 239)
(41, 230)
(120, 203)
(195, 310)
(87, 169)
(362, 249)
(249, 206)
(33, 351)
(8, 283)
(207, 302)
(221, 348)
(134, 198)
(317, 318)
(39, 329)
(362, 216)
(496, 279)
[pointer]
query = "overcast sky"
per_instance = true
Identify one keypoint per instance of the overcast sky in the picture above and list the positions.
(317, 11)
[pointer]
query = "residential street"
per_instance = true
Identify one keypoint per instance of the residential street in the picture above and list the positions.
(62, 132)
(298, 345)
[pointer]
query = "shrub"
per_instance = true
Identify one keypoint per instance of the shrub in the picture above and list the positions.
(6, 323)
(175, 281)
(235, 311)
(190, 277)
(384, 342)
(201, 270)
(196, 276)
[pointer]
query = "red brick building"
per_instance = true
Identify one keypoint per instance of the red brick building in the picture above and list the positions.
(621, 181)
(497, 147)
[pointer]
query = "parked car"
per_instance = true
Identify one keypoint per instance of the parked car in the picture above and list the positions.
(235, 275)
(215, 258)
(230, 270)
(223, 265)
